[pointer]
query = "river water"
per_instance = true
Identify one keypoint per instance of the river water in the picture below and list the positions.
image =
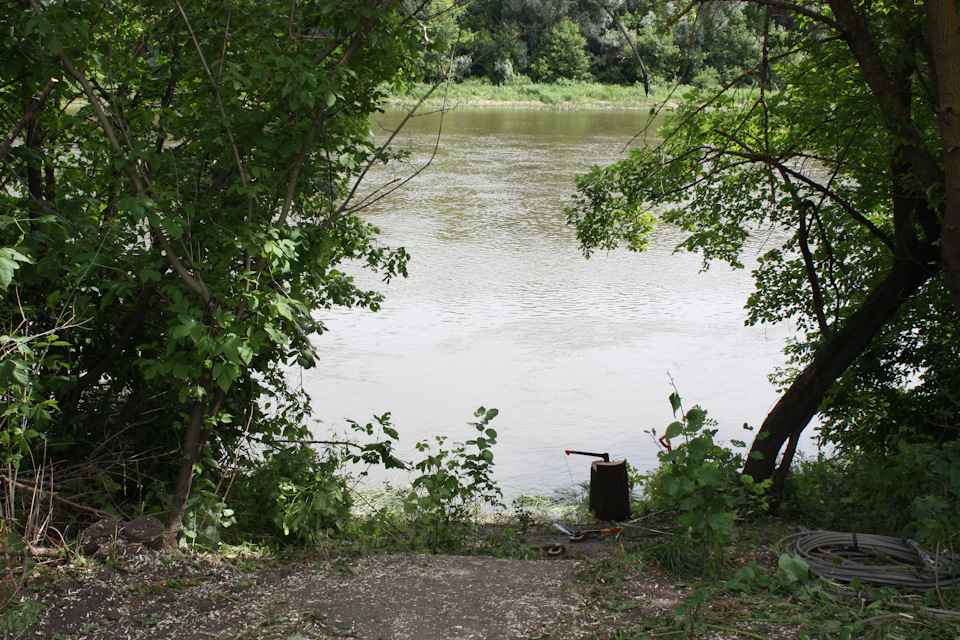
(502, 310)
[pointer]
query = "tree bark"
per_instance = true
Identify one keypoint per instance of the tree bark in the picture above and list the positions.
(943, 35)
(801, 401)
(193, 442)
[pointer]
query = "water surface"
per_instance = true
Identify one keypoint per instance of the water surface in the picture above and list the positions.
(502, 310)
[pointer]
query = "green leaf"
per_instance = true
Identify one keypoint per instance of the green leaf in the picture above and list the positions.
(20, 374)
(722, 522)
(230, 348)
(183, 330)
(675, 402)
(792, 569)
(696, 418)
(10, 260)
(700, 447)
(149, 275)
(673, 430)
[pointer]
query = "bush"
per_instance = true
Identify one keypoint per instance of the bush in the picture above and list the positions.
(452, 486)
(296, 495)
(706, 78)
(912, 492)
(702, 481)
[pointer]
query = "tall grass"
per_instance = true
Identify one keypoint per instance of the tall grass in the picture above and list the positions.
(522, 93)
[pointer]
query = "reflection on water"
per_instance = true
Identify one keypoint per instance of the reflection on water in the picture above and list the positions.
(502, 310)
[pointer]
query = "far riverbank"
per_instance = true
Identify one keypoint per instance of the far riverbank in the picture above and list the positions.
(529, 95)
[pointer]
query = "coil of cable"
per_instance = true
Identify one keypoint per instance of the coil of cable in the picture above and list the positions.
(874, 559)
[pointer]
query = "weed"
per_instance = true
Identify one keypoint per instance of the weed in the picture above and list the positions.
(18, 617)
(912, 492)
(452, 486)
(757, 601)
(150, 620)
(677, 556)
(702, 481)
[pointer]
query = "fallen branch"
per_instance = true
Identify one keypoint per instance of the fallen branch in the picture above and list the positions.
(53, 494)
(33, 552)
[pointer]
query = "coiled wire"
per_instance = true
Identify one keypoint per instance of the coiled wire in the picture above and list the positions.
(878, 560)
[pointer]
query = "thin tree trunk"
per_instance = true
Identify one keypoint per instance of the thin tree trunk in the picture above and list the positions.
(781, 476)
(193, 442)
(801, 401)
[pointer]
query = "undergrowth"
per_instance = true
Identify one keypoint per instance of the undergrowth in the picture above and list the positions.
(914, 492)
(700, 526)
(753, 591)
(787, 601)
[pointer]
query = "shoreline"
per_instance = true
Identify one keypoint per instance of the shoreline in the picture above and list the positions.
(533, 105)
(555, 97)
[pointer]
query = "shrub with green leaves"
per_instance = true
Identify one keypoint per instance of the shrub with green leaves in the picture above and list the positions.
(453, 485)
(297, 495)
(25, 409)
(701, 480)
(206, 516)
(188, 207)
(912, 492)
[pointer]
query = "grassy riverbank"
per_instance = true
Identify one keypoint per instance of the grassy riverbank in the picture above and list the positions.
(526, 94)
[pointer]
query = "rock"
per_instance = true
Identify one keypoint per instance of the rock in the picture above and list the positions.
(268, 578)
(145, 530)
(128, 539)
(101, 533)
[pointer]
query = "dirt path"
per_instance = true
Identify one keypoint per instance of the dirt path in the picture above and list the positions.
(390, 597)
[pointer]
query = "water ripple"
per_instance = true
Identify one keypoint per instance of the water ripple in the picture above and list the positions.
(501, 309)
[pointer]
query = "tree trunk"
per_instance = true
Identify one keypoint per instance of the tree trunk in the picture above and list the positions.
(801, 401)
(943, 35)
(193, 441)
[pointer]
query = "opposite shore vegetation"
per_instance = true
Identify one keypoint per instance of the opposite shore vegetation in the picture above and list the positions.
(560, 95)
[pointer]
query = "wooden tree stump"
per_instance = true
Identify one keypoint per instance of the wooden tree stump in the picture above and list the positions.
(609, 491)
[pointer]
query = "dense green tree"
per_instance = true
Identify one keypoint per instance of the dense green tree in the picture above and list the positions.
(179, 207)
(720, 41)
(655, 48)
(851, 174)
(490, 52)
(560, 54)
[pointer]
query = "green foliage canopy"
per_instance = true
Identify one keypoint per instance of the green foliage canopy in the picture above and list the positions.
(548, 40)
(183, 203)
(843, 176)
(561, 54)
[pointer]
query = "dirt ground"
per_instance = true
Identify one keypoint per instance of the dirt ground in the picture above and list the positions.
(145, 594)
